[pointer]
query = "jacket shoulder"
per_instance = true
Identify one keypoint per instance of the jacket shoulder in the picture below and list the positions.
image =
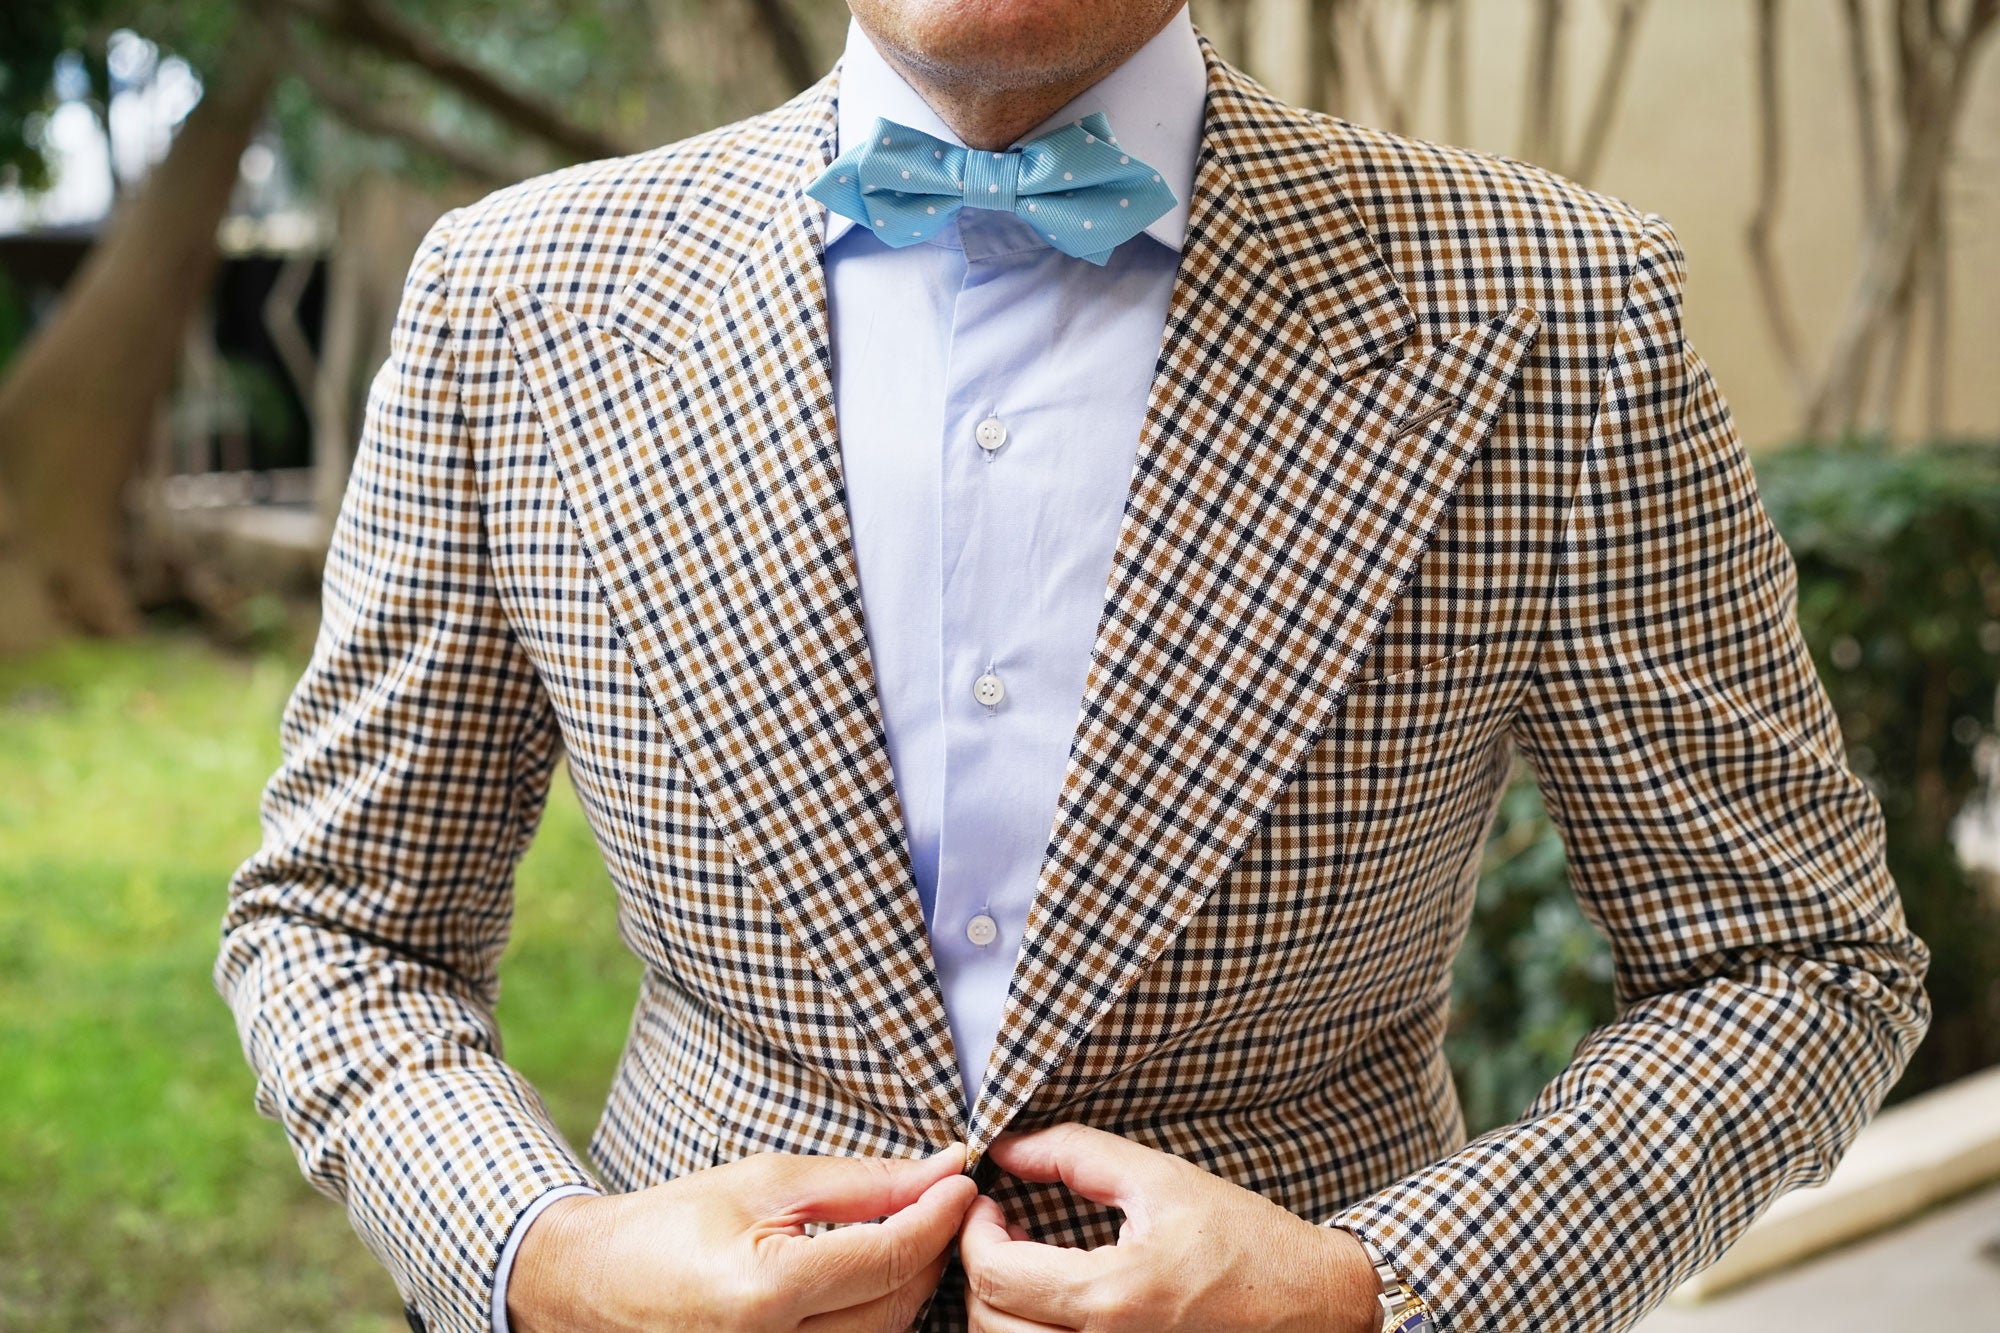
(1389, 169)
(584, 230)
(1470, 232)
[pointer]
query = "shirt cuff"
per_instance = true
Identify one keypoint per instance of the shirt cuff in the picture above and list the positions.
(521, 1225)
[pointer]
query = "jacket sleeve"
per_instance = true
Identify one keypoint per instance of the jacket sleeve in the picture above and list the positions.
(1769, 990)
(360, 941)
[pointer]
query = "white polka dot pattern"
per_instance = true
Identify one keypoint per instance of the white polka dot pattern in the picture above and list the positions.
(1088, 221)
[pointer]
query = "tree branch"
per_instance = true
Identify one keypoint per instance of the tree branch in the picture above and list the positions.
(1375, 69)
(1239, 21)
(1457, 74)
(1861, 69)
(1938, 389)
(1540, 116)
(1610, 88)
(1898, 320)
(369, 24)
(1770, 184)
(1326, 85)
(1416, 58)
(788, 42)
(1936, 73)
(366, 113)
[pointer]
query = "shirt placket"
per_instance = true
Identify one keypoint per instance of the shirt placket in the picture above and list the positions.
(986, 875)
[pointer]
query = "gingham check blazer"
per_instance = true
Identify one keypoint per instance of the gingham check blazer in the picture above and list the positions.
(1427, 472)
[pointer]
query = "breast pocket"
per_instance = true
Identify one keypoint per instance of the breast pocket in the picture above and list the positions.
(1421, 712)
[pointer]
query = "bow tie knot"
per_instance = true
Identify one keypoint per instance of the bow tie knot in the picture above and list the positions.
(1075, 186)
(992, 180)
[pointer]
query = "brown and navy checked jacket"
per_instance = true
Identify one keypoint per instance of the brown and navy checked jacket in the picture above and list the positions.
(1428, 475)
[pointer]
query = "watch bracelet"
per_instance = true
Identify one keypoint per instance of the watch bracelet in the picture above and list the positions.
(1403, 1310)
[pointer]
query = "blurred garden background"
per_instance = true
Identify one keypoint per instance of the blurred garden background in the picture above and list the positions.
(206, 208)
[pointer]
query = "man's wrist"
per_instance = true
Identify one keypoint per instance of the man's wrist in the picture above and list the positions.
(541, 1257)
(1398, 1307)
(1345, 1293)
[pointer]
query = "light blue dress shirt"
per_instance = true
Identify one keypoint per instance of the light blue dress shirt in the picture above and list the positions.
(989, 392)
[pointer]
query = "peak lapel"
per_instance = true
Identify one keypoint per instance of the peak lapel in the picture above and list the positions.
(1284, 490)
(696, 443)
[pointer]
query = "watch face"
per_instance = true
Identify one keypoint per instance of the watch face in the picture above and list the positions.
(1415, 1321)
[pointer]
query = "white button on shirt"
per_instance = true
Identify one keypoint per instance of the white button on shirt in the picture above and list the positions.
(988, 690)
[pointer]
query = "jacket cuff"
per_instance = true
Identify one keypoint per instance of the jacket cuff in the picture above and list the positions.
(453, 1160)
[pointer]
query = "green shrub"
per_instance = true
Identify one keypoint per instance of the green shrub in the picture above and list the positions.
(1899, 596)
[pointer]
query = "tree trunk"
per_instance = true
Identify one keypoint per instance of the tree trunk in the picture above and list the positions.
(79, 401)
(1936, 73)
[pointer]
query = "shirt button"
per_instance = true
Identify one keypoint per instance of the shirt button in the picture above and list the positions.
(988, 689)
(982, 930)
(991, 434)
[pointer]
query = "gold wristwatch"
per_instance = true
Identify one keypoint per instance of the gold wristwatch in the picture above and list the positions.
(1403, 1311)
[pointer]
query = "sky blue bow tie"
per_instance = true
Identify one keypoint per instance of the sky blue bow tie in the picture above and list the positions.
(1074, 185)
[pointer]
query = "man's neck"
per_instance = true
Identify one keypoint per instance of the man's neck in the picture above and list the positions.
(990, 117)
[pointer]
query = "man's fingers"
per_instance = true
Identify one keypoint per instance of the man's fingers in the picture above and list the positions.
(1046, 1284)
(982, 1220)
(799, 1188)
(986, 1319)
(893, 1313)
(854, 1265)
(1105, 1168)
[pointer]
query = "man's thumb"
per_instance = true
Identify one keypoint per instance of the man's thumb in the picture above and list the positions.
(857, 1189)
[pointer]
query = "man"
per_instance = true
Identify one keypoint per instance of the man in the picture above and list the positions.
(1036, 419)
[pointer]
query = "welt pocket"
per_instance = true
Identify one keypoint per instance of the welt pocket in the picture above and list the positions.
(1404, 714)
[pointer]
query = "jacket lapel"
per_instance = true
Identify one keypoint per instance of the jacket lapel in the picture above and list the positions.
(1285, 488)
(694, 435)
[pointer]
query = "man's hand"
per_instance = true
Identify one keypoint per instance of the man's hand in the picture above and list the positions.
(1194, 1252)
(726, 1249)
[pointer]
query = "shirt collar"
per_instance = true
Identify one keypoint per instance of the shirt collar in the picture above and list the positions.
(1153, 101)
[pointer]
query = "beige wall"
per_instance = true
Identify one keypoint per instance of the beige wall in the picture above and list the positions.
(1682, 147)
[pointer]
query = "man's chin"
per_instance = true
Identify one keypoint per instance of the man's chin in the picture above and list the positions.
(1000, 44)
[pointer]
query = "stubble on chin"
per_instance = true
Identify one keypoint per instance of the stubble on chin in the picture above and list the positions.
(1002, 46)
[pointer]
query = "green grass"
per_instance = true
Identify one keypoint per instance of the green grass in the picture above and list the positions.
(138, 1187)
